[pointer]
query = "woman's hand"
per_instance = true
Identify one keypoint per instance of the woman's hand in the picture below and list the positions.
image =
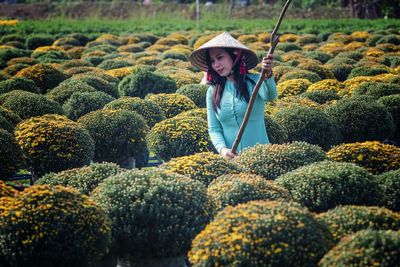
(268, 64)
(227, 153)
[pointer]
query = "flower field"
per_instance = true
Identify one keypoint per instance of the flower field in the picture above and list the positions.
(75, 107)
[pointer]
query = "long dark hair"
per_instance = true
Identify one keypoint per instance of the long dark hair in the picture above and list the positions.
(219, 82)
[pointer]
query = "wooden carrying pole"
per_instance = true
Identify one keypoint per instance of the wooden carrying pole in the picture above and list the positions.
(274, 42)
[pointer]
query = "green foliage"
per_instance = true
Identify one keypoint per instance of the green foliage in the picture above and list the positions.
(365, 248)
(361, 119)
(376, 89)
(366, 71)
(84, 179)
(392, 104)
(117, 134)
(18, 83)
(154, 214)
(143, 82)
(321, 96)
(273, 160)
(81, 103)
(196, 92)
(101, 83)
(42, 223)
(65, 90)
(27, 105)
(51, 56)
(261, 233)
(340, 71)
(390, 182)
(276, 133)
(10, 155)
(324, 185)
(172, 104)
(35, 41)
(301, 74)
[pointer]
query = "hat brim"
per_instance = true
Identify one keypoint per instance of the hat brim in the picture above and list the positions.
(198, 58)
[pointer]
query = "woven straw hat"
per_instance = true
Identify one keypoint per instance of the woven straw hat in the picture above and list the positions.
(224, 40)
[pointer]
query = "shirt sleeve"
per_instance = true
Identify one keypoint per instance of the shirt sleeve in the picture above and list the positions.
(267, 89)
(214, 125)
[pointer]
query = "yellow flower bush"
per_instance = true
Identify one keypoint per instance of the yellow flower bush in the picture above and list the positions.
(169, 41)
(360, 36)
(203, 39)
(54, 143)
(204, 167)
(327, 84)
(48, 48)
(182, 77)
(247, 38)
(374, 156)
(197, 112)
(6, 191)
(10, 22)
(332, 48)
(261, 233)
(172, 104)
(120, 73)
(233, 189)
(345, 220)
(292, 87)
(288, 37)
(181, 38)
(289, 101)
(177, 137)
(157, 48)
(42, 222)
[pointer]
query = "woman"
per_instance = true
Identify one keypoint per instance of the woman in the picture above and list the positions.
(227, 62)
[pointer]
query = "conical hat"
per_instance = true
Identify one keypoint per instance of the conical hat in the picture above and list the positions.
(198, 57)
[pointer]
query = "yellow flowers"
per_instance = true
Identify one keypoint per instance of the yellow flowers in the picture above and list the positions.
(11, 22)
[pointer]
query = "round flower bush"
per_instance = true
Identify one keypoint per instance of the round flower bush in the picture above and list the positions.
(301, 74)
(6, 191)
(18, 83)
(345, 220)
(154, 214)
(233, 189)
(53, 143)
(64, 90)
(35, 41)
(45, 76)
(289, 101)
(309, 125)
(324, 185)
(276, 133)
(327, 84)
(150, 111)
(172, 104)
(377, 89)
(366, 71)
(261, 233)
(177, 137)
(143, 82)
(197, 112)
(374, 156)
(10, 155)
(6, 124)
(10, 116)
(196, 92)
(118, 134)
(365, 248)
(321, 96)
(27, 104)
(323, 72)
(102, 83)
(390, 182)
(273, 160)
(204, 167)
(84, 179)
(340, 70)
(361, 119)
(292, 87)
(42, 222)
(81, 103)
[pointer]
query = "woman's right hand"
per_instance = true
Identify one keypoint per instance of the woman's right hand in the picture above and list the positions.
(227, 153)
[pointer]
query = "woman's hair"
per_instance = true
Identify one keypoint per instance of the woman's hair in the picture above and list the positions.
(219, 82)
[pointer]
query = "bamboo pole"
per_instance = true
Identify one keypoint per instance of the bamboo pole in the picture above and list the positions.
(274, 42)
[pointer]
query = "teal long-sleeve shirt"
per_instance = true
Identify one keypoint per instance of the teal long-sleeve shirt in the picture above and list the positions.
(224, 125)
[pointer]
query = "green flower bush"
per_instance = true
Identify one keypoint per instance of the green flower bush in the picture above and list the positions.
(35, 41)
(52, 143)
(42, 222)
(14, 68)
(273, 160)
(365, 248)
(324, 185)
(309, 125)
(377, 89)
(276, 133)
(390, 182)
(320, 56)
(292, 87)
(366, 71)
(361, 119)
(154, 214)
(81, 103)
(110, 64)
(143, 82)
(321, 96)
(27, 104)
(172, 104)
(177, 137)
(204, 167)
(345, 220)
(301, 74)
(64, 90)
(84, 179)
(6, 125)
(50, 56)
(117, 134)
(322, 71)
(150, 111)
(234, 189)
(10, 53)
(45, 76)
(10, 116)
(196, 92)
(340, 70)
(374, 156)
(10, 155)
(99, 83)
(261, 233)
(18, 83)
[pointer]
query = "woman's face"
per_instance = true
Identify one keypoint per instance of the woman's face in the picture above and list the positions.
(221, 61)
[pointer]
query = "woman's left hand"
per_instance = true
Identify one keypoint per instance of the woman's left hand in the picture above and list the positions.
(268, 63)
